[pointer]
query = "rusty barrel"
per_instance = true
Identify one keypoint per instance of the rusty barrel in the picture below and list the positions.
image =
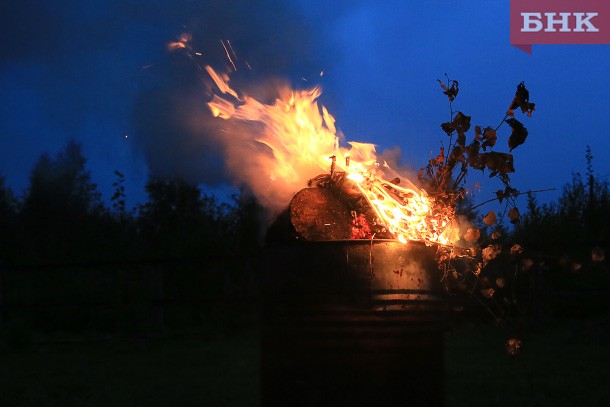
(351, 323)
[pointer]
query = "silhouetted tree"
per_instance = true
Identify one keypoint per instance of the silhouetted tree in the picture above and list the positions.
(577, 222)
(178, 220)
(8, 218)
(568, 240)
(62, 208)
(247, 225)
(118, 197)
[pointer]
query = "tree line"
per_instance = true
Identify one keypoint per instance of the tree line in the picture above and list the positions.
(62, 218)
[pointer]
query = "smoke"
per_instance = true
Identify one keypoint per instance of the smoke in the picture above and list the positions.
(259, 42)
(98, 70)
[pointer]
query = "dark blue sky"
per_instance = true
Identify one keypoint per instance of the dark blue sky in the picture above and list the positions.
(98, 70)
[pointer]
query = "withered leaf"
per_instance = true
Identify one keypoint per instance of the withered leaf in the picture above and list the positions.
(511, 192)
(490, 137)
(461, 139)
(500, 195)
(473, 148)
(490, 252)
(514, 216)
(527, 264)
(496, 235)
(488, 292)
(477, 162)
(597, 254)
(498, 162)
(448, 128)
(457, 155)
(518, 135)
(450, 92)
(490, 218)
(521, 100)
(472, 235)
(500, 282)
(462, 122)
(459, 124)
(513, 346)
(516, 249)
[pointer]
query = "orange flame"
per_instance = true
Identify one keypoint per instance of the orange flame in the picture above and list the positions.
(302, 137)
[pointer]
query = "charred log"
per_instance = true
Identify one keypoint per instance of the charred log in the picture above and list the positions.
(332, 208)
(318, 214)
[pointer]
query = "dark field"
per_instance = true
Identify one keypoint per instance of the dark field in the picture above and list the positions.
(200, 371)
(564, 363)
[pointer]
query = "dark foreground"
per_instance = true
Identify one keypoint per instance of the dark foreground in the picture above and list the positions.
(564, 363)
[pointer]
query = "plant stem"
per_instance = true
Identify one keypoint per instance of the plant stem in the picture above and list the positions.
(502, 122)
(512, 195)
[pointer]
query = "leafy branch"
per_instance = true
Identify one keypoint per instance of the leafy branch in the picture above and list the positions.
(445, 175)
(475, 147)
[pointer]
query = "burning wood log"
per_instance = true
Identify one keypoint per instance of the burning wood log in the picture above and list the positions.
(317, 214)
(332, 208)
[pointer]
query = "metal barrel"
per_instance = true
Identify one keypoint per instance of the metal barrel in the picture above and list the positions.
(352, 323)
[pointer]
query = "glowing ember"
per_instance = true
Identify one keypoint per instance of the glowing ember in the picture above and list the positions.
(301, 134)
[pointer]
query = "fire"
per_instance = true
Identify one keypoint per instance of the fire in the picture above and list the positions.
(302, 137)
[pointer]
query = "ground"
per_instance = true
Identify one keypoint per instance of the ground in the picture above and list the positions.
(564, 363)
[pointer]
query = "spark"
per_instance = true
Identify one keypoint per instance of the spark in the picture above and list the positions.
(232, 50)
(228, 56)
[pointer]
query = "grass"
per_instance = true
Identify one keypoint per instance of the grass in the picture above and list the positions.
(564, 363)
(168, 372)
